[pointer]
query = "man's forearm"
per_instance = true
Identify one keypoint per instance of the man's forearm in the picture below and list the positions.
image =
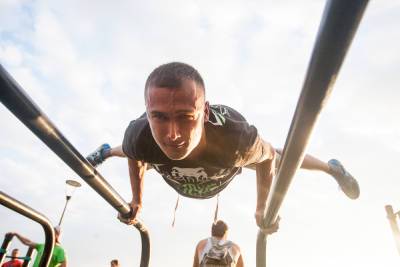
(265, 172)
(240, 262)
(196, 259)
(25, 240)
(136, 174)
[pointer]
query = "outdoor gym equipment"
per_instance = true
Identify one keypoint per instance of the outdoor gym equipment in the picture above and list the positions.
(32, 214)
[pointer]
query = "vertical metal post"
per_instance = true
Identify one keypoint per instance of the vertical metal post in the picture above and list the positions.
(4, 246)
(338, 26)
(393, 225)
(32, 214)
(28, 257)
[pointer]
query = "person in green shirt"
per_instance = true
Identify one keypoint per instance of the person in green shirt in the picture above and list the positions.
(58, 258)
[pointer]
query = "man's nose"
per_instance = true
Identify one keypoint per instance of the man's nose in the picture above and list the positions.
(173, 132)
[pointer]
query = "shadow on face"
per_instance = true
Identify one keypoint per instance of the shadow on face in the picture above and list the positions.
(176, 117)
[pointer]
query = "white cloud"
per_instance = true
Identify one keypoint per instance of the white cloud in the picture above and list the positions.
(85, 64)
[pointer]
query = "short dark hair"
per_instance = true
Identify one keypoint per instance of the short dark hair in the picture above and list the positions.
(171, 75)
(219, 228)
(115, 262)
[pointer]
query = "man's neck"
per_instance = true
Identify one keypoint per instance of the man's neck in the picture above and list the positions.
(219, 238)
(200, 148)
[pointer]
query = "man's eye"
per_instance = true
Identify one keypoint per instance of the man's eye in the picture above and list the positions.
(159, 117)
(186, 117)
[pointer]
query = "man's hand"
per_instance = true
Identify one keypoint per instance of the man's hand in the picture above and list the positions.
(265, 171)
(269, 230)
(132, 218)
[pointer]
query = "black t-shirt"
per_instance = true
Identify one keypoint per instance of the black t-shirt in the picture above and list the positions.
(231, 143)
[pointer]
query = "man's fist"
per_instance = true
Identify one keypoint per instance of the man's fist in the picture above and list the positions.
(131, 219)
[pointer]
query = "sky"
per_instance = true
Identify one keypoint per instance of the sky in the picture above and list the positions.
(85, 64)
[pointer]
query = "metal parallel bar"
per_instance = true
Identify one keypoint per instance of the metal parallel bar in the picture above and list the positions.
(393, 225)
(28, 257)
(338, 26)
(20, 104)
(32, 214)
(4, 246)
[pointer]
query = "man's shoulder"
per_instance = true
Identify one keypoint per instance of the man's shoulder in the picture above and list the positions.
(59, 246)
(219, 114)
(202, 243)
(236, 248)
(8, 264)
(138, 142)
(137, 130)
(139, 123)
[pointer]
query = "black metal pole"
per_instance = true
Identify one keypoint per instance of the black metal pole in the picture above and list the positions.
(28, 257)
(338, 26)
(65, 207)
(20, 104)
(393, 225)
(4, 246)
(32, 214)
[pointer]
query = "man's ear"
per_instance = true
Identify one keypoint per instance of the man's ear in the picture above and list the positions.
(206, 111)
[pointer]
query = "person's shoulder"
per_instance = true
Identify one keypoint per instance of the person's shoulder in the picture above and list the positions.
(235, 246)
(221, 112)
(201, 244)
(203, 241)
(137, 137)
(138, 124)
(58, 246)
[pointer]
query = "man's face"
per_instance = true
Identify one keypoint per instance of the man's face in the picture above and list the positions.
(176, 117)
(15, 253)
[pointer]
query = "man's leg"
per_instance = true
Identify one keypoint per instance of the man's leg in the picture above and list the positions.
(334, 168)
(116, 152)
(103, 152)
(311, 163)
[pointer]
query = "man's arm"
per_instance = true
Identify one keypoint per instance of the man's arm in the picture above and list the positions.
(24, 240)
(196, 257)
(237, 251)
(240, 262)
(136, 175)
(262, 159)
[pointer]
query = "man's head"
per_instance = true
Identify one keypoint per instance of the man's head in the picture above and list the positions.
(114, 263)
(219, 229)
(176, 109)
(15, 253)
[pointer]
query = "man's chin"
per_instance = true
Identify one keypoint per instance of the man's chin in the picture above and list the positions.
(176, 156)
